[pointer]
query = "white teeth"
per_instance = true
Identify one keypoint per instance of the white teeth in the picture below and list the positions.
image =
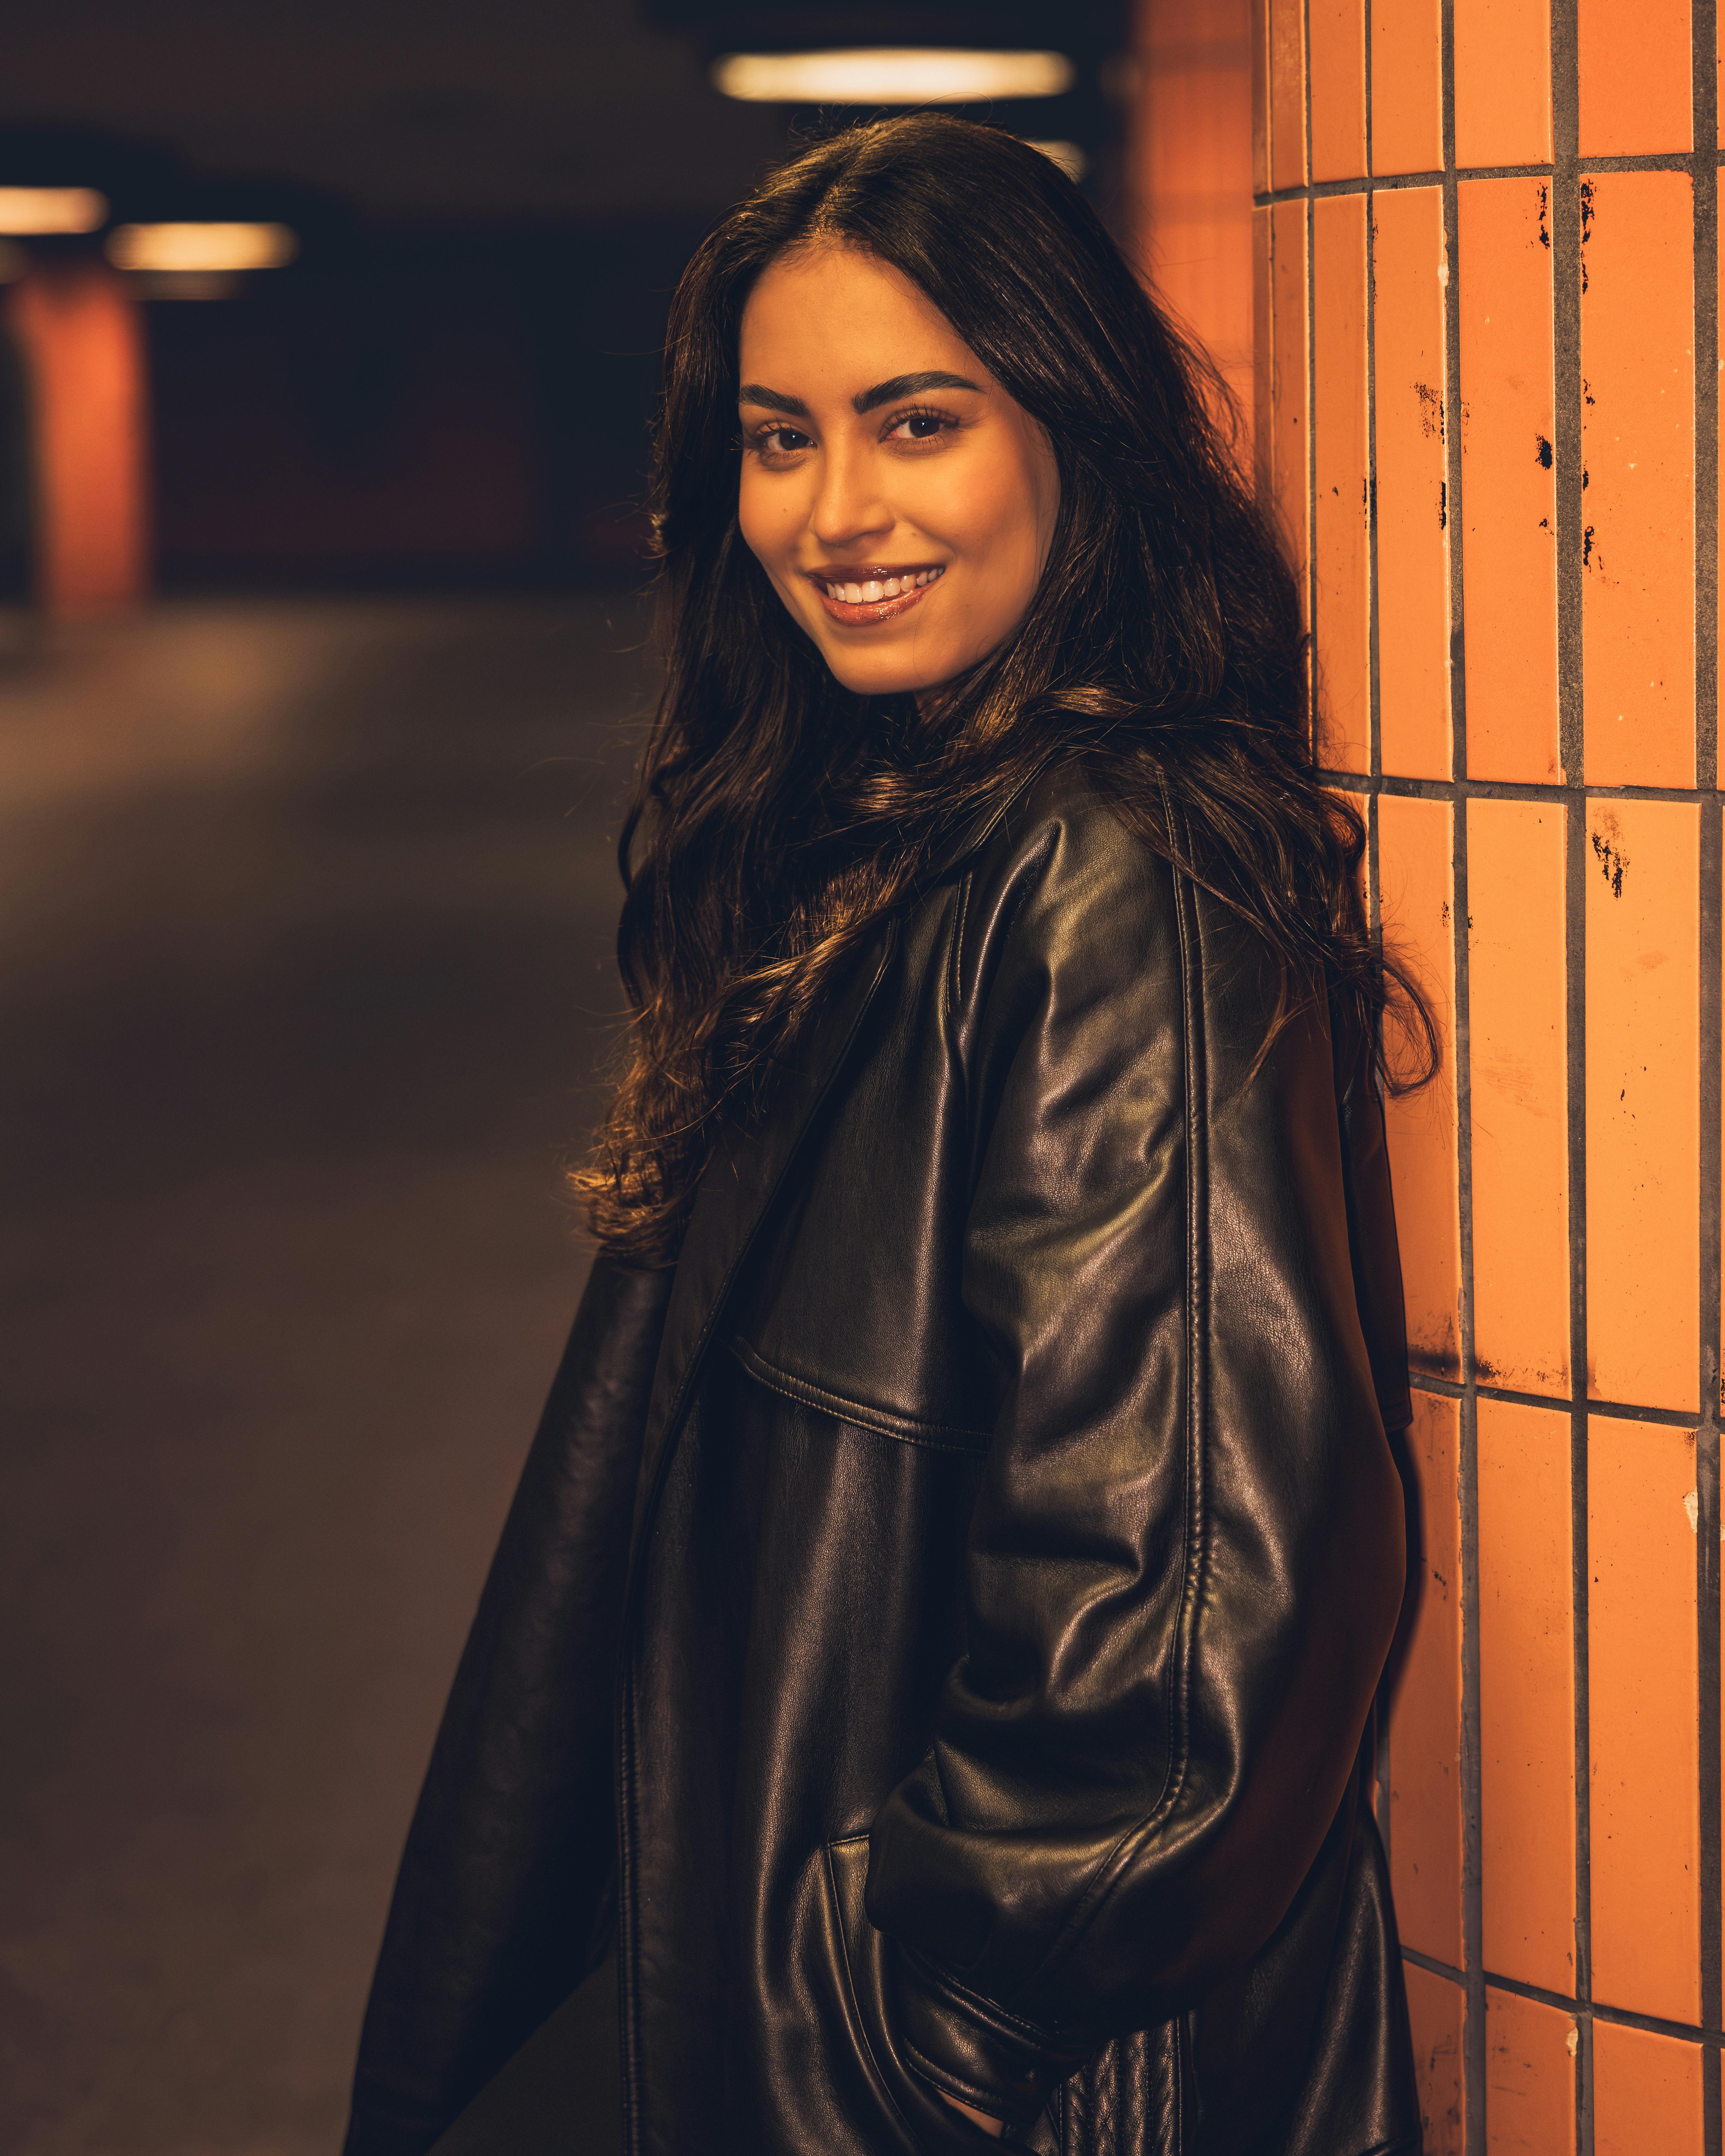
(880, 588)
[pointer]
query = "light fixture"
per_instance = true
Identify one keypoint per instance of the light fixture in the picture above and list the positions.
(201, 250)
(891, 75)
(38, 211)
(1071, 159)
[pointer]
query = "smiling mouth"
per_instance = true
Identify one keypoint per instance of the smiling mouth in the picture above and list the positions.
(874, 595)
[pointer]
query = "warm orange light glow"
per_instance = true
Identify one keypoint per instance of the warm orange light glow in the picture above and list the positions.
(80, 339)
(207, 248)
(891, 75)
(51, 209)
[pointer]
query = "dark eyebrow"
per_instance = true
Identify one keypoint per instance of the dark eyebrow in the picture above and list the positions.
(883, 392)
(755, 393)
(909, 385)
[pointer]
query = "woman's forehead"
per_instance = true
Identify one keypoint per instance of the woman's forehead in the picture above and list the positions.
(843, 316)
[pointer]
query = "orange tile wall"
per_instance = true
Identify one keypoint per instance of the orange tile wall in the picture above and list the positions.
(1485, 324)
(79, 334)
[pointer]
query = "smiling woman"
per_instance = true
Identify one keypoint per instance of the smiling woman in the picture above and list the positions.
(904, 516)
(937, 1636)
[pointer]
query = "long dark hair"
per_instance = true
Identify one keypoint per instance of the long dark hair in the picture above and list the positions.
(778, 816)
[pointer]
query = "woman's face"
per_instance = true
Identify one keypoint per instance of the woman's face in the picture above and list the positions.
(901, 502)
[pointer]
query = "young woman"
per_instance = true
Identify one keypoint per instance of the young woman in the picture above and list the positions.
(937, 1633)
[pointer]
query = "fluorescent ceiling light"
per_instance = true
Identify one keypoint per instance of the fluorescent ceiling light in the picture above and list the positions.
(51, 209)
(891, 75)
(1071, 159)
(201, 247)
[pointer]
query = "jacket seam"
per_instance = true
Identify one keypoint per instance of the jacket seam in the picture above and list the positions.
(1108, 1871)
(888, 1422)
(956, 985)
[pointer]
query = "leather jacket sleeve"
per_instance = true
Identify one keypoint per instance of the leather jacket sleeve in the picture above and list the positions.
(1186, 1555)
(502, 1904)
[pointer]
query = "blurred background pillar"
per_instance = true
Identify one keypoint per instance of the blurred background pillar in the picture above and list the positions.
(1488, 253)
(1189, 172)
(80, 340)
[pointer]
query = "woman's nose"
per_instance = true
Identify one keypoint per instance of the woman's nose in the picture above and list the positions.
(848, 505)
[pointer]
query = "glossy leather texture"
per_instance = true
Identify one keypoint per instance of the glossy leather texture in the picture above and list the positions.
(1015, 1550)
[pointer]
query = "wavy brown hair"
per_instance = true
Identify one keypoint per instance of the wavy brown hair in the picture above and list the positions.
(777, 816)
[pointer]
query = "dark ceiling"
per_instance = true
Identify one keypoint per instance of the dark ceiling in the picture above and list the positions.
(441, 108)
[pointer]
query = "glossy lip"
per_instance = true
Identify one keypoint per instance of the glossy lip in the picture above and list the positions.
(870, 613)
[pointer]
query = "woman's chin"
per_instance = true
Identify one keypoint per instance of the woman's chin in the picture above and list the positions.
(880, 673)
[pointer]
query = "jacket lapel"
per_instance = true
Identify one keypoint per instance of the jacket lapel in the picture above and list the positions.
(740, 1182)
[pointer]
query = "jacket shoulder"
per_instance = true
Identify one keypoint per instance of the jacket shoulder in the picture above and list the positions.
(1062, 873)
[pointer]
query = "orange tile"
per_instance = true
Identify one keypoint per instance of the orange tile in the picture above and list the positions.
(1340, 545)
(1414, 845)
(1635, 70)
(1261, 97)
(1530, 2077)
(1407, 119)
(1638, 452)
(1526, 1694)
(1520, 1102)
(1287, 93)
(1413, 547)
(1647, 2093)
(1502, 82)
(1337, 32)
(1643, 1123)
(1508, 490)
(1425, 1713)
(1642, 1737)
(1284, 362)
(1437, 2010)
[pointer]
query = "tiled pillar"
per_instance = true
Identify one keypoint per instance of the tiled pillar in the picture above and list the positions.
(81, 339)
(1188, 172)
(1487, 274)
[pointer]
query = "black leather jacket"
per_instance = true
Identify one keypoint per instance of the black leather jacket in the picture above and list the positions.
(939, 1622)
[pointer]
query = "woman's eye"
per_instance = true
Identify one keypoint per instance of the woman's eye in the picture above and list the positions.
(784, 441)
(919, 427)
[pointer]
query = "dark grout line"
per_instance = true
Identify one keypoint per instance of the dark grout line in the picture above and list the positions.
(1706, 102)
(1375, 736)
(1622, 2017)
(1555, 1403)
(1568, 281)
(1312, 713)
(1658, 161)
(1474, 2043)
(1516, 790)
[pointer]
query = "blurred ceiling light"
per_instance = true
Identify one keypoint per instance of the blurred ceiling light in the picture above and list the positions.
(1071, 159)
(51, 209)
(208, 250)
(891, 75)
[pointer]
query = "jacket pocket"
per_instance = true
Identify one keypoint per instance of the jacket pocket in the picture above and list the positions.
(928, 2122)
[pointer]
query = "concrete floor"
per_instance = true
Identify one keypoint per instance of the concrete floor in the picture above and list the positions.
(306, 912)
